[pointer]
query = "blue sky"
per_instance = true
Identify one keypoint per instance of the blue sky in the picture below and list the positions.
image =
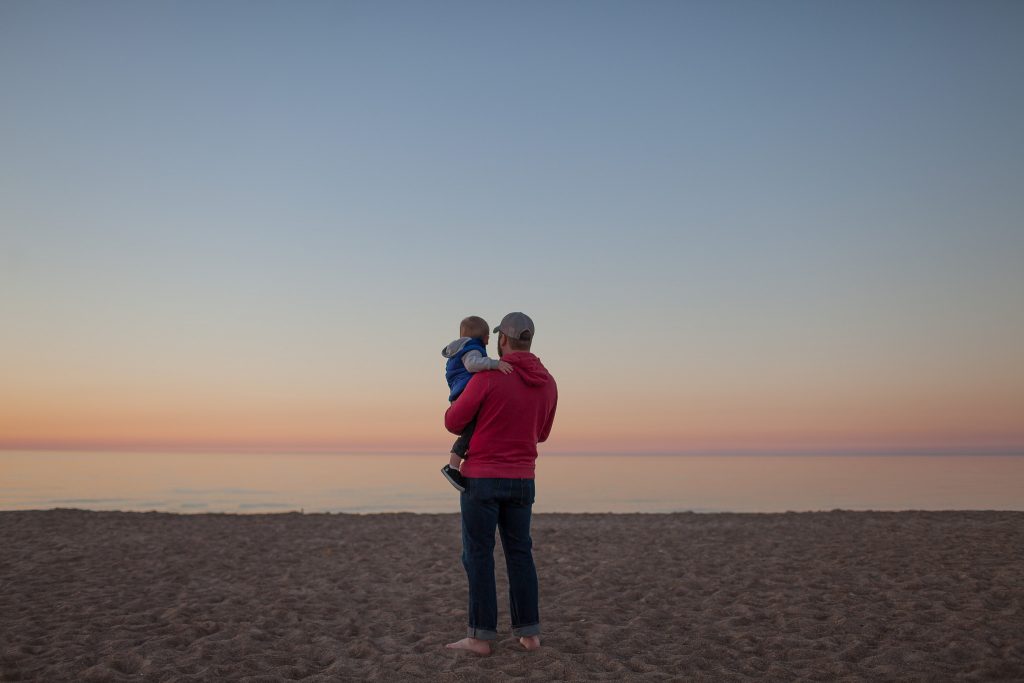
(736, 205)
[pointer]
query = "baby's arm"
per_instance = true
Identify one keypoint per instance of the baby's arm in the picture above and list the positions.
(474, 361)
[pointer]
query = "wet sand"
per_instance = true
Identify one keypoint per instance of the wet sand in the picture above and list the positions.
(112, 596)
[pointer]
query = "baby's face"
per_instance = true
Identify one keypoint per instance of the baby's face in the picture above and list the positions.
(486, 339)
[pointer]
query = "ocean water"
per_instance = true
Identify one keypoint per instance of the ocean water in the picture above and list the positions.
(261, 482)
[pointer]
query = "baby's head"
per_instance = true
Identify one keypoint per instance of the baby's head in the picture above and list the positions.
(476, 327)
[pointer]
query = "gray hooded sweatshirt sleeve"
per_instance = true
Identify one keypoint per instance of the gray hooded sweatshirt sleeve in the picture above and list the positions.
(476, 361)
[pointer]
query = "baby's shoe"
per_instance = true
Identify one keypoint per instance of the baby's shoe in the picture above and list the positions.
(454, 477)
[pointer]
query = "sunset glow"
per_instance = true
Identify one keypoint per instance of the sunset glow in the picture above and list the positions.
(788, 240)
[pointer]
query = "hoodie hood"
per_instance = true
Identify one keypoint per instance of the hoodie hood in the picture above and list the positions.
(454, 347)
(528, 368)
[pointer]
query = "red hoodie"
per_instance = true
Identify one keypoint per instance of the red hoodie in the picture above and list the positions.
(514, 412)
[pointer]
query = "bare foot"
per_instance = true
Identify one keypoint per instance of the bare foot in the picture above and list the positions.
(530, 642)
(476, 645)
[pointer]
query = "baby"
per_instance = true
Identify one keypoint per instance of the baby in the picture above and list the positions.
(466, 355)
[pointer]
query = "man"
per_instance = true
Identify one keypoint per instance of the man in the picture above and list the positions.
(513, 413)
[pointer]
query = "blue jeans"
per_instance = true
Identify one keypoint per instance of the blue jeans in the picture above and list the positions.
(508, 505)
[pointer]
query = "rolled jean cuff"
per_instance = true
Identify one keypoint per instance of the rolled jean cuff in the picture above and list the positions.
(522, 631)
(481, 633)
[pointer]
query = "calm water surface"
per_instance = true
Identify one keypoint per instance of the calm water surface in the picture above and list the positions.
(236, 482)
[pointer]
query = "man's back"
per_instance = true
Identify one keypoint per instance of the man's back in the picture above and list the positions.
(514, 412)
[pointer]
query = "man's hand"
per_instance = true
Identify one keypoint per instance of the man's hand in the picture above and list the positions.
(454, 461)
(505, 367)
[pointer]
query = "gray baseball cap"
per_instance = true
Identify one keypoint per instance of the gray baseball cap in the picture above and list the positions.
(515, 324)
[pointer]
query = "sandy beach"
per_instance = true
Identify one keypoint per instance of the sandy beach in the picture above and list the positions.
(112, 596)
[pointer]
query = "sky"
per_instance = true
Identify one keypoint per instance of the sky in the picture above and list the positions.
(738, 226)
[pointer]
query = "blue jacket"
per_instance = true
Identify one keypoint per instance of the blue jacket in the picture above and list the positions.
(454, 371)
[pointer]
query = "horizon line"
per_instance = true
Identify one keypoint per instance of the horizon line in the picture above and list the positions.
(1013, 450)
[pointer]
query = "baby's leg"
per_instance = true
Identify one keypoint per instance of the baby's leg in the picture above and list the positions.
(460, 449)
